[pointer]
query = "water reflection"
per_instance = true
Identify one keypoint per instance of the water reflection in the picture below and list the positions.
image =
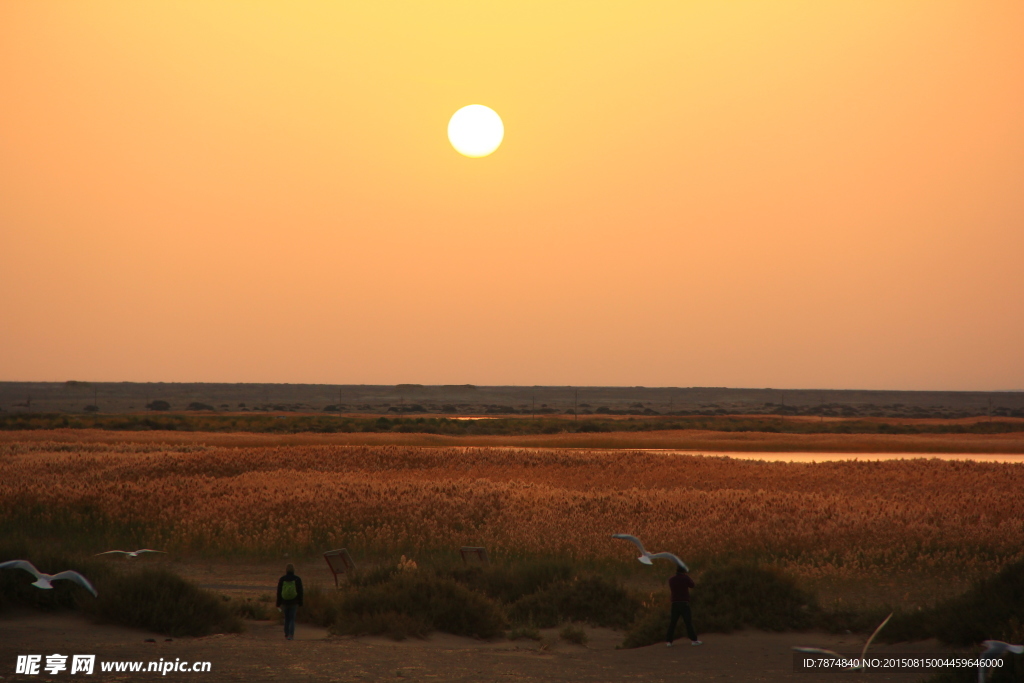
(828, 457)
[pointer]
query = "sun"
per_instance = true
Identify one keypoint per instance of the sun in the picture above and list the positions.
(475, 130)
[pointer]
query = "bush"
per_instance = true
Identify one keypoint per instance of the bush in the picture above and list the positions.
(594, 600)
(158, 405)
(985, 611)
(652, 624)
(16, 587)
(731, 598)
(524, 633)
(574, 634)
(438, 602)
(508, 583)
(320, 607)
(250, 609)
(157, 600)
(372, 577)
(990, 609)
(152, 599)
(737, 596)
(196, 405)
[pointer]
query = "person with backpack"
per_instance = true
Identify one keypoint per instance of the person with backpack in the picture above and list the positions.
(289, 599)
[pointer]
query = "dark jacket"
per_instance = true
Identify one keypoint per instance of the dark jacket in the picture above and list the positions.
(681, 585)
(281, 602)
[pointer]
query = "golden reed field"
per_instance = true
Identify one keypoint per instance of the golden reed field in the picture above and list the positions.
(815, 520)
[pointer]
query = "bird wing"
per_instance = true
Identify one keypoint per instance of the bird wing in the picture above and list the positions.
(123, 552)
(77, 578)
(670, 556)
(632, 539)
(21, 564)
(147, 550)
(864, 652)
(995, 647)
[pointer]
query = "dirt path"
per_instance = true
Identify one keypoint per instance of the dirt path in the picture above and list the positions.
(262, 654)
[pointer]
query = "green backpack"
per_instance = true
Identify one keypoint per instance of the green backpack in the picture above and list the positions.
(288, 591)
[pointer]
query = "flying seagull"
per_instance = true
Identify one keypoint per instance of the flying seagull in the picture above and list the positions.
(997, 648)
(647, 557)
(43, 580)
(836, 655)
(130, 554)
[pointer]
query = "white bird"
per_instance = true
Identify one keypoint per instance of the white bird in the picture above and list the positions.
(836, 655)
(647, 557)
(997, 648)
(134, 553)
(43, 580)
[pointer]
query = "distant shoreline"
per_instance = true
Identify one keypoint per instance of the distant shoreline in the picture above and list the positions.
(83, 398)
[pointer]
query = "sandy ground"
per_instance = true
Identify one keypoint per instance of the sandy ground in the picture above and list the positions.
(262, 654)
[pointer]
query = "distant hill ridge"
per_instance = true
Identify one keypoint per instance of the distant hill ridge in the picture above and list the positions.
(76, 396)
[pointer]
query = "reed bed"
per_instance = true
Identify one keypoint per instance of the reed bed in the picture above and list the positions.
(824, 519)
(682, 439)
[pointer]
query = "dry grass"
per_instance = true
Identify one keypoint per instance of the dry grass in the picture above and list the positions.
(686, 440)
(826, 519)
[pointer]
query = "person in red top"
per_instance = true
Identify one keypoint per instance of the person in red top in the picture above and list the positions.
(680, 584)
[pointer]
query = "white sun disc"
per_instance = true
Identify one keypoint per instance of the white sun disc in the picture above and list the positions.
(475, 130)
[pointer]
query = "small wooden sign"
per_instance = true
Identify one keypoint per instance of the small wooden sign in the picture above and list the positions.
(340, 563)
(471, 555)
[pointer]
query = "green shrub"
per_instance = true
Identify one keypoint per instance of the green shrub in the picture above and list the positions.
(739, 596)
(652, 624)
(16, 587)
(574, 634)
(594, 600)
(320, 607)
(524, 633)
(248, 608)
(510, 582)
(149, 598)
(439, 602)
(988, 610)
(160, 601)
(731, 598)
(372, 577)
(991, 609)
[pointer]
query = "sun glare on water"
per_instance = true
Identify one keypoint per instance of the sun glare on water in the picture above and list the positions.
(475, 130)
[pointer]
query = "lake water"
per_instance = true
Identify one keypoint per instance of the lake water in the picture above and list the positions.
(825, 457)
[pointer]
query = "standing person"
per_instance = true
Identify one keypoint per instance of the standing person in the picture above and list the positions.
(289, 599)
(680, 584)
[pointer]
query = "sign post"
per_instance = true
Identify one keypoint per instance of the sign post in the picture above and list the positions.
(340, 563)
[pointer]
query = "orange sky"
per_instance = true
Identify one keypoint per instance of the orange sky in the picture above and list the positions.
(692, 193)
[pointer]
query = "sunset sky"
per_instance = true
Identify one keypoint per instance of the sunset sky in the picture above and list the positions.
(781, 193)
